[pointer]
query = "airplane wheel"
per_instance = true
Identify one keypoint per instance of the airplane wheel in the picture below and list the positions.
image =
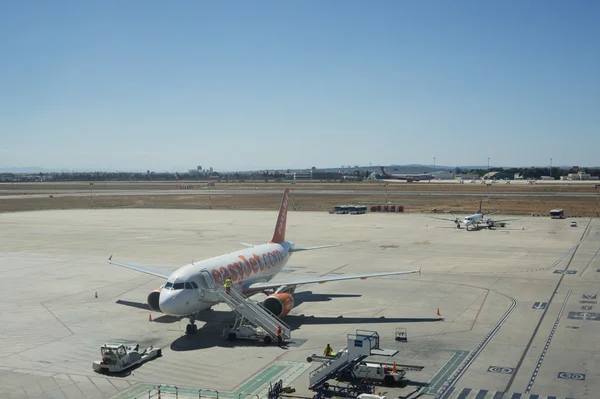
(191, 329)
(268, 340)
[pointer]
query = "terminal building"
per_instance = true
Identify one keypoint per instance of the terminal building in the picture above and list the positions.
(579, 176)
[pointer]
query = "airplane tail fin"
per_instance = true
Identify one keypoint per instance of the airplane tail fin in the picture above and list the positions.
(279, 234)
(480, 203)
(383, 171)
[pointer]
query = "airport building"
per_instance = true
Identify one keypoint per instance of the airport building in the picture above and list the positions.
(579, 176)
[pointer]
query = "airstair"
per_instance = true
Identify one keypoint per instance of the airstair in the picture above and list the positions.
(359, 347)
(251, 311)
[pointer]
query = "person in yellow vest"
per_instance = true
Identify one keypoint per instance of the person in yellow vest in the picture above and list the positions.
(328, 351)
(227, 285)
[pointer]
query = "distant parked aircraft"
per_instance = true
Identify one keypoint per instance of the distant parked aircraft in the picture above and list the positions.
(409, 177)
(476, 219)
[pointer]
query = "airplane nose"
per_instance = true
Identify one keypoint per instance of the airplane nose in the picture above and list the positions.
(166, 302)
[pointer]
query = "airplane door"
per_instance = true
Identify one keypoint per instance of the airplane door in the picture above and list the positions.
(206, 280)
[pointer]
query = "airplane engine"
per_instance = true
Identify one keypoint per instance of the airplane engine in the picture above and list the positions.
(153, 300)
(279, 304)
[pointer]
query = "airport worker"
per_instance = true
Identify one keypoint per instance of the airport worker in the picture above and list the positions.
(279, 339)
(228, 285)
(328, 351)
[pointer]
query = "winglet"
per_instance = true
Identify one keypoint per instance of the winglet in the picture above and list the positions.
(110, 257)
(420, 270)
(279, 234)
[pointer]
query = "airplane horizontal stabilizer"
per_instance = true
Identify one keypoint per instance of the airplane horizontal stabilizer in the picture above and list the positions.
(311, 248)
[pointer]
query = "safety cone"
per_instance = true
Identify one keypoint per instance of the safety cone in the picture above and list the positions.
(96, 294)
(149, 316)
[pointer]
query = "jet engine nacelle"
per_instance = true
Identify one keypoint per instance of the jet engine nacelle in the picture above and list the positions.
(279, 304)
(153, 300)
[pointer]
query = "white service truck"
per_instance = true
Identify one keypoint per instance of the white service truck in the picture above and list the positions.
(377, 372)
(119, 357)
(246, 331)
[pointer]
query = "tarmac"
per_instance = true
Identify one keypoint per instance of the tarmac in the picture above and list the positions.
(518, 304)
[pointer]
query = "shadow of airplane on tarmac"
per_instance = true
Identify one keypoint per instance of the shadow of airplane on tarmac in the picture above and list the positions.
(209, 335)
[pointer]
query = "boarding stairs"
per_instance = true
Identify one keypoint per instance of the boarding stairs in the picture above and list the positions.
(359, 347)
(252, 311)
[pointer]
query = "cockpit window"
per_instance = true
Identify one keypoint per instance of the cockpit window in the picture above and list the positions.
(188, 286)
(193, 283)
(178, 286)
(169, 286)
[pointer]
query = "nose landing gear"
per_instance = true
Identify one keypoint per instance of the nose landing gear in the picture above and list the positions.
(191, 328)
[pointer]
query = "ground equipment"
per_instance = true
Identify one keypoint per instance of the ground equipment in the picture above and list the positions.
(119, 357)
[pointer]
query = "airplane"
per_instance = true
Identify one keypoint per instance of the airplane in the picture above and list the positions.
(406, 176)
(251, 270)
(476, 219)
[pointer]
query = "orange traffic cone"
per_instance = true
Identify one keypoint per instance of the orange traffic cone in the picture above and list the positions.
(149, 316)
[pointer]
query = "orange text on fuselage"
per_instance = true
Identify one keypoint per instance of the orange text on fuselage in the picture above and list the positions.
(247, 266)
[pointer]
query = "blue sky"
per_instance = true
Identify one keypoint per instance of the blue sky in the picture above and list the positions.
(271, 84)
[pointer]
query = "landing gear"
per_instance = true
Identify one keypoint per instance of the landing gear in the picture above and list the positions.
(191, 328)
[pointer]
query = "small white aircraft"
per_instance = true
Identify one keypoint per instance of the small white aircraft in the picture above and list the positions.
(250, 270)
(476, 219)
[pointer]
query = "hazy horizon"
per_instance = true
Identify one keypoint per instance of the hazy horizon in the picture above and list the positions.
(374, 167)
(278, 85)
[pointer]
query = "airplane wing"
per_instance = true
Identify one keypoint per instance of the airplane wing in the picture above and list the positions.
(449, 220)
(143, 269)
(502, 220)
(322, 280)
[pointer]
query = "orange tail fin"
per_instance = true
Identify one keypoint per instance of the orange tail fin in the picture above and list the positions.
(279, 234)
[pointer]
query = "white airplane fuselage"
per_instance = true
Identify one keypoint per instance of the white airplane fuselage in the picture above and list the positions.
(472, 220)
(179, 297)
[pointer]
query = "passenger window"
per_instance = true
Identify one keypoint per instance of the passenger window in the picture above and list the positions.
(178, 286)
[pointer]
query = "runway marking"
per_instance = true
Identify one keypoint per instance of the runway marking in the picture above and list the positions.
(589, 262)
(471, 358)
(472, 393)
(259, 382)
(438, 380)
(537, 327)
(479, 311)
(547, 346)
